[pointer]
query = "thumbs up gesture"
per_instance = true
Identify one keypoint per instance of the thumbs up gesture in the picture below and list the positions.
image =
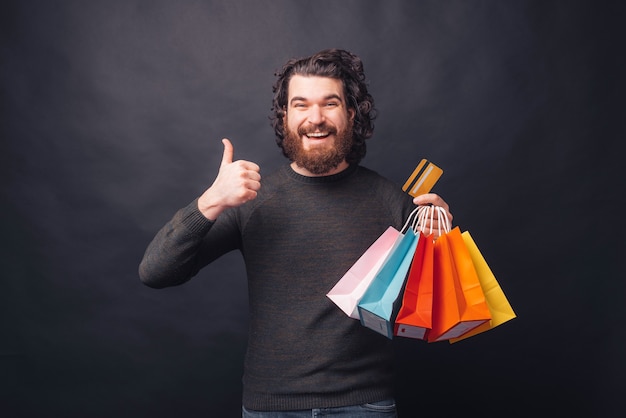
(237, 182)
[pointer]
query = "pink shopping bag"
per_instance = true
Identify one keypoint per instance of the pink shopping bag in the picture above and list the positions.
(351, 287)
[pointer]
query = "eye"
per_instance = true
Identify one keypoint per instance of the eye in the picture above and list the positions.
(332, 104)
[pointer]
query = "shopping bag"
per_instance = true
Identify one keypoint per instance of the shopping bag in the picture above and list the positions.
(499, 306)
(350, 288)
(414, 318)
(378, 305)
(459, 303)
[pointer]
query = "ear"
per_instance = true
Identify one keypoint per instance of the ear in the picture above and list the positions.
(351, 114)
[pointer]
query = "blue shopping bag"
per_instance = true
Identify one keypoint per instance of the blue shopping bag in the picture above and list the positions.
(378, 304)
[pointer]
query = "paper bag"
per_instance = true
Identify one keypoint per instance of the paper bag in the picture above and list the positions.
(459, 303)
(499, 307)
(414, 319)
(351, 287)
(377, 306)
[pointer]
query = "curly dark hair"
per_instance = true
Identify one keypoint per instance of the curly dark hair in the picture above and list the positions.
(333, 63)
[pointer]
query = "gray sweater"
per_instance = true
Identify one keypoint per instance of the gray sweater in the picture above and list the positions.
(298, 238)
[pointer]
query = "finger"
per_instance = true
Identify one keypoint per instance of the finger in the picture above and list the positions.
(431, 199)
(254, 175)
(249, 165)
(229, 151)
(428, 199)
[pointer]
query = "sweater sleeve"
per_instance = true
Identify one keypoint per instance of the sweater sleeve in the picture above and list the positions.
(178, 250)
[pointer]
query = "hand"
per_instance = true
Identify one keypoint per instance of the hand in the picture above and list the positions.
(435, 200)
(236, 183)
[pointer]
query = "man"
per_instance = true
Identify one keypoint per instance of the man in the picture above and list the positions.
(299, 230)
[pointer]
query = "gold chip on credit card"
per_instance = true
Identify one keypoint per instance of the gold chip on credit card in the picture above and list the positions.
(423, 178)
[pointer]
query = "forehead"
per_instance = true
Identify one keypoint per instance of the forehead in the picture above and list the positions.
(314, 87)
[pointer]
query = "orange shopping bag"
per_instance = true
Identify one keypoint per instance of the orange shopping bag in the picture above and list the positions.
(459, 303)
(499, 306)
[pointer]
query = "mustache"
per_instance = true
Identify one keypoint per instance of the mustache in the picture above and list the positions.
(317, 128)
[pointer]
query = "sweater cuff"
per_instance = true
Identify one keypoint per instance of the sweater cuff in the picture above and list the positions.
(194, 220)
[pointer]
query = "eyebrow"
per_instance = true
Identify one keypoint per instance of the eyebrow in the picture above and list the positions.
(304, 99)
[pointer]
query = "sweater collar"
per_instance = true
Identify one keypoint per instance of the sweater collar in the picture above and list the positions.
(321, 179)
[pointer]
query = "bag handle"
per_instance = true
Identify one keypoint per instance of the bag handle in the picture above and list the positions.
(411, 220)
(424, 212)
(444, 217)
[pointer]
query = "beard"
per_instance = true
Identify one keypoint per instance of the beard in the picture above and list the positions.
(321, 159)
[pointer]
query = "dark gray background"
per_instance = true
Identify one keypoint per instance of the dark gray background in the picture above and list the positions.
(112, 115)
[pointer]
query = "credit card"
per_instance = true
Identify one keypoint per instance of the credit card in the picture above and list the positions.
(423, 178)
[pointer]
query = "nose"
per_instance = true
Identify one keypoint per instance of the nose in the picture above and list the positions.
(316, 115)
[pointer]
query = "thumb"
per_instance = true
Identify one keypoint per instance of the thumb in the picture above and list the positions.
(227, 158)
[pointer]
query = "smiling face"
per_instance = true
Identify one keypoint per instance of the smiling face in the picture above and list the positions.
(318, 125)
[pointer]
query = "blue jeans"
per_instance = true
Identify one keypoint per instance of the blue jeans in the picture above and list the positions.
(382, 409)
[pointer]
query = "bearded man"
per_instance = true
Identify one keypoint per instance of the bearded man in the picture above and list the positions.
(299, 230)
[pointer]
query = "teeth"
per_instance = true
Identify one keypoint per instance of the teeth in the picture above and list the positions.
(317, 134)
